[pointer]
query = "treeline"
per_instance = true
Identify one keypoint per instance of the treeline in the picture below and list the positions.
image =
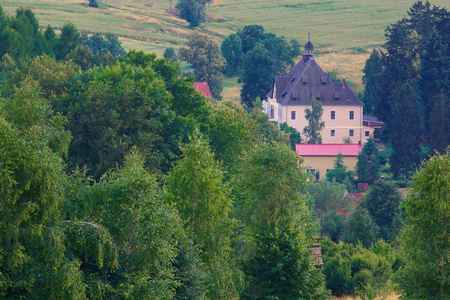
(120, 180)
(22, 38)
(407, 86)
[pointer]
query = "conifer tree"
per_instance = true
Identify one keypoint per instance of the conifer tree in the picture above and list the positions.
(368, 166)
(406, 129)
(372, 81)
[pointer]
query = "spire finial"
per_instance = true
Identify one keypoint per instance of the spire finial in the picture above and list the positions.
(309, 34)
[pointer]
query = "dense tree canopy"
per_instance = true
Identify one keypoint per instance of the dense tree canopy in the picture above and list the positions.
(407, 85)
(204, 56)
(279, 225)
(265, 55)
(425, 241)
(369, 163)
(232, 52)
(382, 202)
(193, 11)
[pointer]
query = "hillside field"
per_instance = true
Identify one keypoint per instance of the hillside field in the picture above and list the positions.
(343, 31)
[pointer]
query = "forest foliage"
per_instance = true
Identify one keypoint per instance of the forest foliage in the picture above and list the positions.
(119, 180)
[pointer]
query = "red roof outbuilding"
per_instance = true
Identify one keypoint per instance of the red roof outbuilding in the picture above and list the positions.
(328, 149)
(203, 88)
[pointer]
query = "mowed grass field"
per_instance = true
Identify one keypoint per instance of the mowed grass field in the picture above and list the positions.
(344, 32)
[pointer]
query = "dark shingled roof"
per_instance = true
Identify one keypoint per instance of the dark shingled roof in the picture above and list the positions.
(306, 80)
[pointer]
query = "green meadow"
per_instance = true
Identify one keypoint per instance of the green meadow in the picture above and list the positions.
(343, 31)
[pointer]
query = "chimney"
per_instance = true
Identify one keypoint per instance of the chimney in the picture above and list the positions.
(343, 82)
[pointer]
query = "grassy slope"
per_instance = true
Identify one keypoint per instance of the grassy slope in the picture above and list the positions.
(343, 31)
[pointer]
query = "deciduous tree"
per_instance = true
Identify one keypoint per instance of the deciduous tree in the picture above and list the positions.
(425, 242)
(232, 52)
(193, 11)
(195, 186)
(315, 124)
(279, 226)
(204, 56)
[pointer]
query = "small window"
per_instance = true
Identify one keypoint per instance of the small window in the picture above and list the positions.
(293, 115)
(333, 115)
(367, 133)
(333, 132)
(272, 113)
(351, 132)
(328, 170)
(352, 115)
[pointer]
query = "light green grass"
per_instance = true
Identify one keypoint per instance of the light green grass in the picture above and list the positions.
(343, 24)
(343, 31)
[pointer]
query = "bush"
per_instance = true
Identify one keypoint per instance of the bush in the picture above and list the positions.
(352, 269)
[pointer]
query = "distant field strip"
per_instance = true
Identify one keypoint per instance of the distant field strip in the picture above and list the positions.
(337, 27)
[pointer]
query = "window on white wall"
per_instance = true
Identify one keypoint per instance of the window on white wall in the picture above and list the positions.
(333, 115)
(351, 132)
(272, 113)
(333, 132)
(293, 115)
(351, 115)
(366, 133)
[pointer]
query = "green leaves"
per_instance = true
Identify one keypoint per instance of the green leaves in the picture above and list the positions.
(425, 241)
(196, 187)
(315, 124)
(205, 57)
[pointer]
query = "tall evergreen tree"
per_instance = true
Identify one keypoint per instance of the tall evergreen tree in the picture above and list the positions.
(372, 81)
(382, 202)
(368, 166)
(434, 87)
(406, 130)
(67, 41)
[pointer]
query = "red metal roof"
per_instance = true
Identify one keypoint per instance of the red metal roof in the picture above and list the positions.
(203, 88)
(327, 149)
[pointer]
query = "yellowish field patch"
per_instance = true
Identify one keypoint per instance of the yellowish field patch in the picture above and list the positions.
(346, 64)
(387, 297)
(232, 93)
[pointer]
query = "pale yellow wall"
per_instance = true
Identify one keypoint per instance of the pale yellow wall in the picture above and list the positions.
(341, 124)
(322, 163)
(371, 132)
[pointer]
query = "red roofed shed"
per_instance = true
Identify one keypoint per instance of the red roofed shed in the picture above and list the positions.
(203, 88)
(328, 149)
(319, 158)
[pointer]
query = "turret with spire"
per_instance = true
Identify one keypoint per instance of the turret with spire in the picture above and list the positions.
(309, 48)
